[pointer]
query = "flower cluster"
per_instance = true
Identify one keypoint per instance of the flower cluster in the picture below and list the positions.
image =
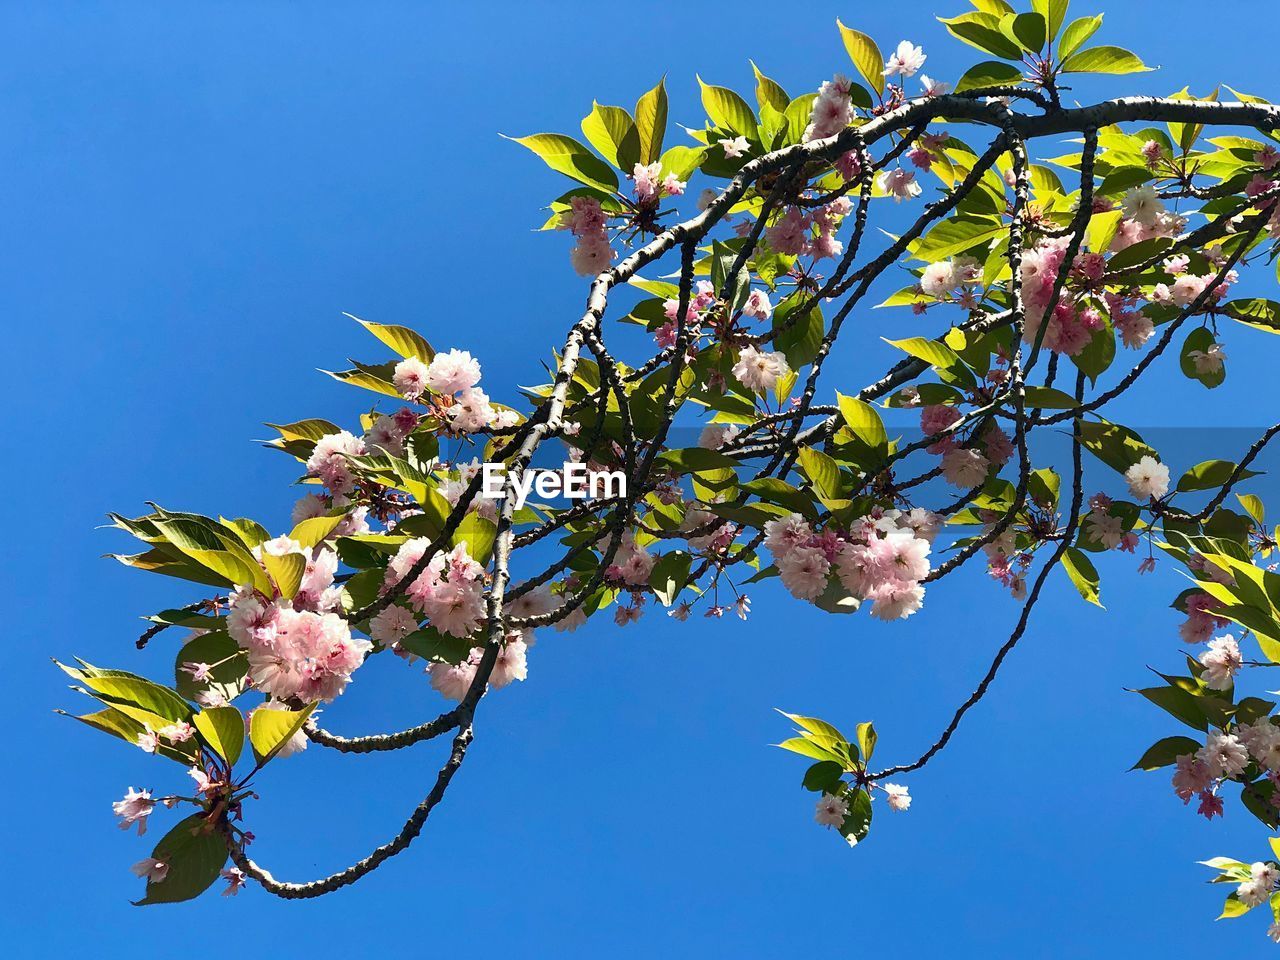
(881, 558)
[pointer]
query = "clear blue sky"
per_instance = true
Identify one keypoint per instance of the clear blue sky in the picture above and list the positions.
(193, 194)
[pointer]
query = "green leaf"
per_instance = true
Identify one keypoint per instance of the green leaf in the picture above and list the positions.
(195, 854)
(1233, 908)
(857, 824)
(217, 649)
(1104, 60)
(865, 55)
(670, 576)
(431, 644)
(769, 93)
(728, 111)
(111, 721)
(989, 73)
(982, 31)
(866, 735)
(1200, 340)
(1259, 313)
(1178, 703)
(1252, 506)
(802, 338)
(312, 429)
(835, 598)
(683, 161)
(1054, 13)
(1210, 475)
(217, 551)
(269, 730)
(1083, 574)
(566, 155)
(1077, 32)
(478, 533)
(1027, 30)
(822, 472)
(823, 777)
(286, 571)
(315, 529)
(1115, 445)
(370, 377)
(130, 689)
(937, 355)
(815, 726)
(864, 420)
(807, 748)
(1102, 230)
(614, 134)
(1099, 353)
(223, 730)
(1047, 398)
(957, 235)
(651, 124)
(1165, 752)
(1044, 486)
(407, 343)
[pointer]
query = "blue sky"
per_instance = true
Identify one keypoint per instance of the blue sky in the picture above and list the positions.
(193, 196)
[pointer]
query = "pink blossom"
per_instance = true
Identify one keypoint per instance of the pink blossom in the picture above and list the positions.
(934, 88)
(1190, 777)
(646, 180)
(849, 165)
(1210, 805)
(758, 305)
(472, 411)
(392, 625)
(511, 664)
(786, 534)
(134, 808)
(328, 460)
(311, 656)
(1221, 662)
(832, 109)
(453, 371)
(592, 255)
(148, 741)
(905, 61)
(898, 797)
(790, 234)
(896, 601)
(452, 681)
(804, 572)
(760, 371)
(199, 671)
(410, 378)
(964, 468)
(899, 184)
(831, 811)
(235, 880)
(152, 869)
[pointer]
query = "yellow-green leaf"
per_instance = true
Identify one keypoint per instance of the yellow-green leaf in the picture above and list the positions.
(407, 343)
(612, 132)
(566, 155)
(865, 55)
(286, 571)
(222, 728)
(728, 111)
(1104, 60)
(269, 730)
(651, 122)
